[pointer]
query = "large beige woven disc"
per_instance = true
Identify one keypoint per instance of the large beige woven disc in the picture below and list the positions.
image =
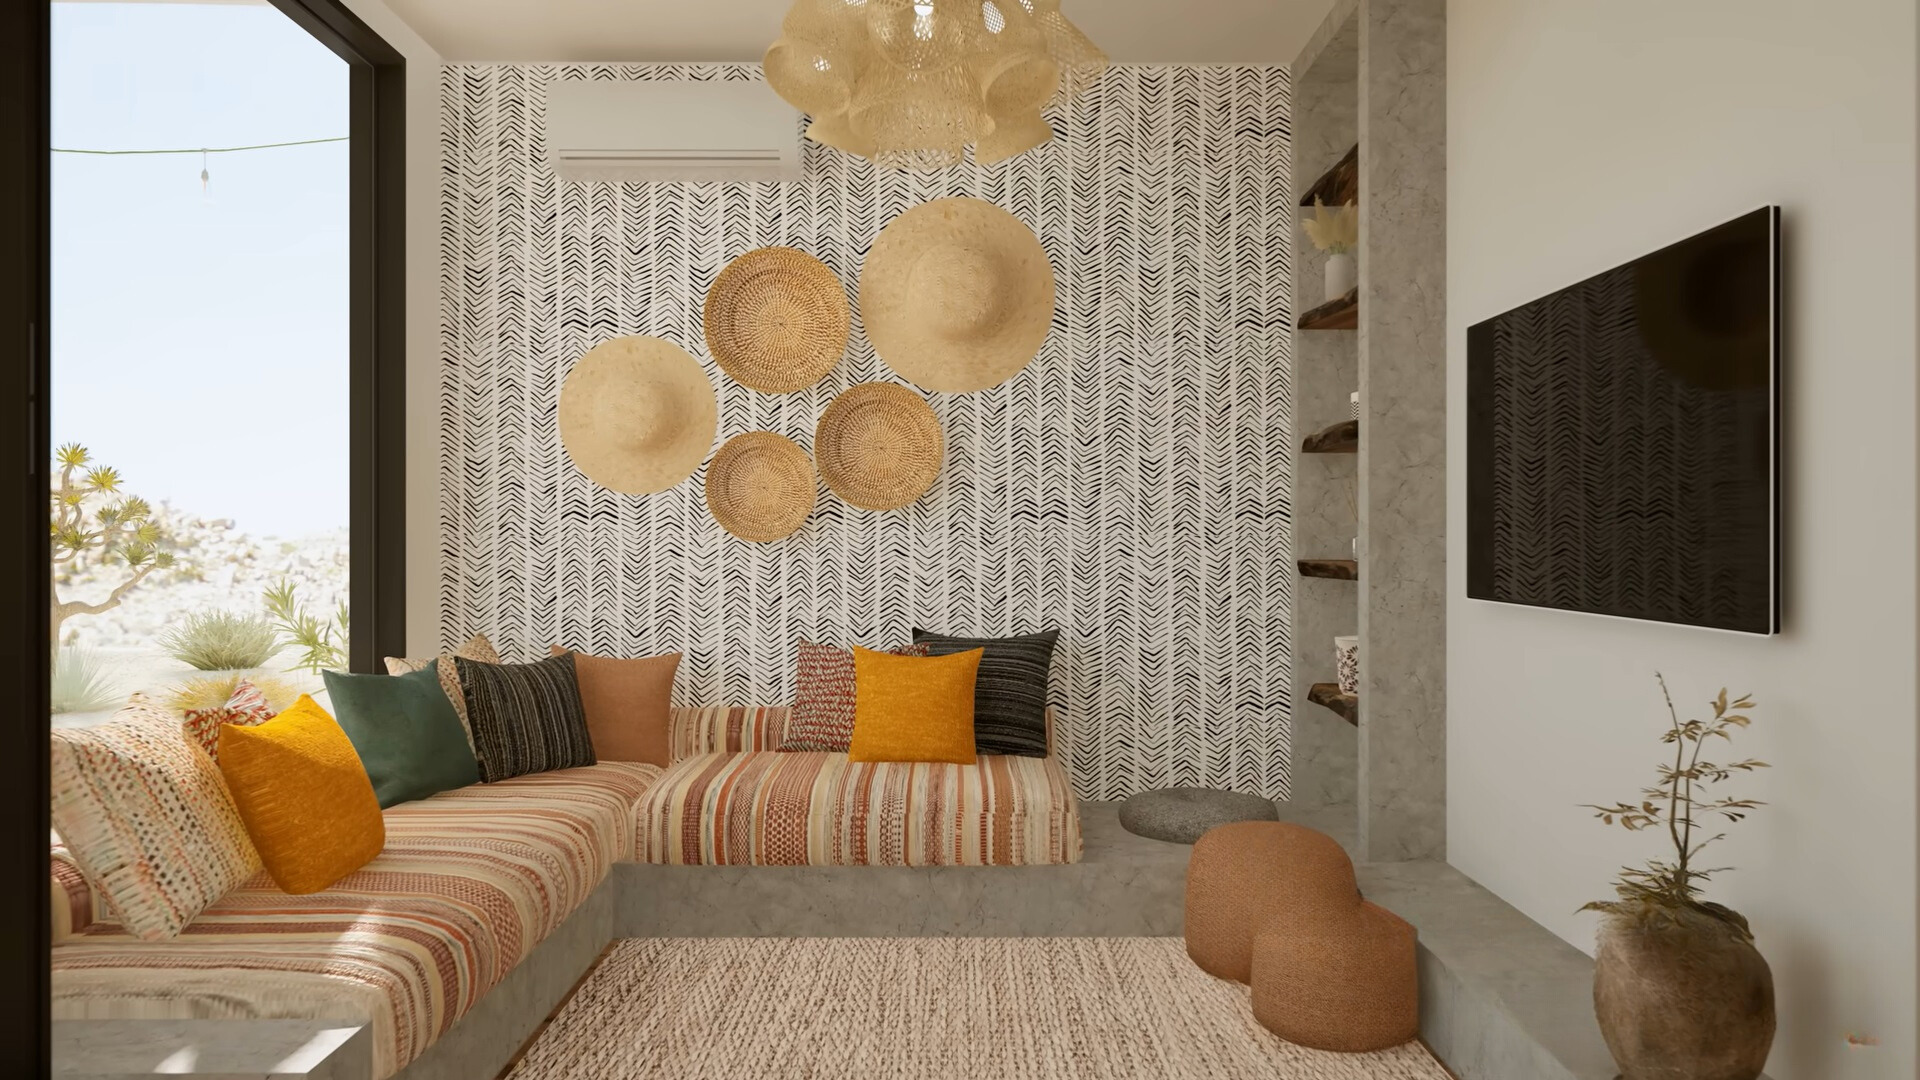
(777, 320)
(957, 295)
(637, 414)
(760, 486)
(879, 446)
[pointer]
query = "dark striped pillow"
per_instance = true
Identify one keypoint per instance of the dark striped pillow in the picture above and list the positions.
(1010, 693)
(526, 718)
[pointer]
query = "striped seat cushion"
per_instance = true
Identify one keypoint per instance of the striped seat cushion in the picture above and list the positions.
(726, 729)
(469, 882)
(820, 809)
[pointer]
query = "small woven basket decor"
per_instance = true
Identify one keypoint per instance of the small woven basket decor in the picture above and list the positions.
(760, 486)
(777, 320)
(879, 446)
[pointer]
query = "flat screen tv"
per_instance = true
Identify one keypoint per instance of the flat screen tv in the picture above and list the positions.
(1623, 439)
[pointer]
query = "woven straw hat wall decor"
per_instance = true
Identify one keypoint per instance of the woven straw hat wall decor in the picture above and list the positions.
(879, 446)
(760, 486)
(777, 320)
(956, 295)
(637, 414)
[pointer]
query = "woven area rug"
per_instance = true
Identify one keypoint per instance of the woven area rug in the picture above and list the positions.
(924, 1009)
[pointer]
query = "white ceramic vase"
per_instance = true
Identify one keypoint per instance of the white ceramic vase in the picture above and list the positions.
(1343, 273)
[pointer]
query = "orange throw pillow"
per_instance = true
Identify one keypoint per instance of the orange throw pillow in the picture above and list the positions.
(628, 704)
(304, 796)
(913, 708)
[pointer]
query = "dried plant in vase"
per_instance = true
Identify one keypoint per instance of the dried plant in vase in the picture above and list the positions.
(1679, 988)
(1336, 233)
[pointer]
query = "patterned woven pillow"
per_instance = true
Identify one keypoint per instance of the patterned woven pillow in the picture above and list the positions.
(148, 819)
(247, 706)
(1010, 694)
(477, 647)
(527, 718)
(822, 718)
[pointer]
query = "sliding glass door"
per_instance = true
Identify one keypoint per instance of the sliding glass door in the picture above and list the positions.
(201, 370)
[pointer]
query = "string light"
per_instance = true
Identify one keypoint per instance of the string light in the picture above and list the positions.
(206, 178)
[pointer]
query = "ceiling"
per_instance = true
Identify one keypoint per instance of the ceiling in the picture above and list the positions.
(1132, 31)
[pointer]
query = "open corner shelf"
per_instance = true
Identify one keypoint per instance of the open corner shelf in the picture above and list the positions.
(1328, 695)
(1341, 314)
(1340, 185)
(1341, 438)
(1331, 569)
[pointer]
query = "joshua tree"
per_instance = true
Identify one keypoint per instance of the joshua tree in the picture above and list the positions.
(121, 529)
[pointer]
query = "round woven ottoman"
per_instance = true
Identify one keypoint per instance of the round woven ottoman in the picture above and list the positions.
(1343, 980)
(1242, 875)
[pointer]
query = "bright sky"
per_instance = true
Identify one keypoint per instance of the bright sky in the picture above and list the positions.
(200, 342)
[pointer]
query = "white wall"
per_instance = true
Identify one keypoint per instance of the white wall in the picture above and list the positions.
(423, 321)
(1582, 134)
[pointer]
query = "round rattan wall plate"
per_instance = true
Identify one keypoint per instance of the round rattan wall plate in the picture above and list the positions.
(637, 414)
(956, 295)
(777, 320)
(879, 446)
(760, 486)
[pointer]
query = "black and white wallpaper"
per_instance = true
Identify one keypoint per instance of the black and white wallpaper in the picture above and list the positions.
(1130, 487)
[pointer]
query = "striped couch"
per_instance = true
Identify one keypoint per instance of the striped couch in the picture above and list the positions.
(472, 881)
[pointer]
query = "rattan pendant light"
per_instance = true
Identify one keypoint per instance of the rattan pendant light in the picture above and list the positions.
(912, 83)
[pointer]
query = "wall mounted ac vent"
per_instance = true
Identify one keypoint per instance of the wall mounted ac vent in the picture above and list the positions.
(649, 131)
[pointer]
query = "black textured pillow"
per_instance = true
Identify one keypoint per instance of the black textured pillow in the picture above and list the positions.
(526, 718)
(1010, 694)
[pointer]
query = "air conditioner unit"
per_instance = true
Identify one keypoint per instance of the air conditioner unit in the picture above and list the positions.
(642, 131)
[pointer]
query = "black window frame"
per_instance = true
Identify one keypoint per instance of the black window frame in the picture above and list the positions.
(377, 436)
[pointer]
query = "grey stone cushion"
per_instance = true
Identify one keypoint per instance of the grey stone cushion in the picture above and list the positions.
(1182, 815)
(526, 718)
(1010, 693)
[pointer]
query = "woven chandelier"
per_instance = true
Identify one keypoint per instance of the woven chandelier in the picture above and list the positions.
(912, 83)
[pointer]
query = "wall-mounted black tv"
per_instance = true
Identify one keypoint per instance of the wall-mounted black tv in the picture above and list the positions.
(1623, 439)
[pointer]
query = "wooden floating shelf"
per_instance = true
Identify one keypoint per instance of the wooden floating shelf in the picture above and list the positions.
(1341, 314)
(1340, 185)
(1341, 438)
(1332, 569)
(1327, 694)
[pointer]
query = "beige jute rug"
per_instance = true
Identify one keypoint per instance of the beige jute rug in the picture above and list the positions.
(924, 1009)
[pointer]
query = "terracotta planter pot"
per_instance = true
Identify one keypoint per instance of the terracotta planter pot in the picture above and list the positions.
(1685, 1001)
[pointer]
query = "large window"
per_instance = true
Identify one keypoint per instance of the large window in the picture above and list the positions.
(201, 316)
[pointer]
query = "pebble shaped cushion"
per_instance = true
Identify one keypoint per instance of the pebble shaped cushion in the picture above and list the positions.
(147, 818)
(1183, 815)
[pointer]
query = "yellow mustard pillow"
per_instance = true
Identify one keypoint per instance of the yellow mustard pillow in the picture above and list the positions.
(306, 801)
(913, 708)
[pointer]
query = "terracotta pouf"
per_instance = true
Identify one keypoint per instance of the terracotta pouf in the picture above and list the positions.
(1342, 980)
(1277, 905)
(1243, 874)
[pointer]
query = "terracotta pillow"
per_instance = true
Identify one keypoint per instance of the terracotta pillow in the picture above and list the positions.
(822, 717)
(246, 706)
(627, 704)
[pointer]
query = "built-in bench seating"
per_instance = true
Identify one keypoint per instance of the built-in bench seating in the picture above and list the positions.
(472, 881)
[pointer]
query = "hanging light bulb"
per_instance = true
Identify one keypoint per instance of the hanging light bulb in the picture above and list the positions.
(206, 179)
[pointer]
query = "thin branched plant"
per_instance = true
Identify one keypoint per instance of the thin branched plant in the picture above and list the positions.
(1681, 803)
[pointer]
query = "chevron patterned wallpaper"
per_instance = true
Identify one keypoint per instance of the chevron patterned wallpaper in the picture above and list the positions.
(1130, 486)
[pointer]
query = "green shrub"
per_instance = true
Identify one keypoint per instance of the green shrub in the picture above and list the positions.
(80, 683)
(221, 641)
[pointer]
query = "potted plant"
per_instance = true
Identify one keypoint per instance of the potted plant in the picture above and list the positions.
(1680, 990)
(1337, 233)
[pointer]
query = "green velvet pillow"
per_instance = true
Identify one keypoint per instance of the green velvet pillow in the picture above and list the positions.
(405, 731)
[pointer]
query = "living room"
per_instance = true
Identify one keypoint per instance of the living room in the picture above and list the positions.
(1013, 538)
